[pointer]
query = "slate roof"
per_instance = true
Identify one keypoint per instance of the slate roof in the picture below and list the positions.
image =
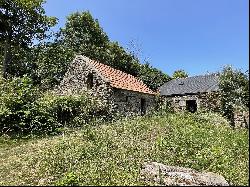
(190, 85)
(119, 79)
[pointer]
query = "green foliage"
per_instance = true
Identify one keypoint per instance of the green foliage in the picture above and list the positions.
(119, 58)
(179, 74)
(46, 63)
(163, 105)
(152, 77)
(24, 109)
(23, 64)
(69, 180)
(84, 36)
(69, 110)
(51, 63)
(112, 154)
(234, 90)
(17, 109)
(22, 21)
(212, 102)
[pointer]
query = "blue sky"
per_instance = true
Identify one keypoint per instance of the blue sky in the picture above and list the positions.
(199, 36)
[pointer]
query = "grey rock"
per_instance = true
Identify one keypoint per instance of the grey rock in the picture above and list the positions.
(161, 174)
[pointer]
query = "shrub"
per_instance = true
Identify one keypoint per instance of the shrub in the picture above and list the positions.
(70, 110)
(69, 180)
(213, 118)
(23, 108)
(234, 89)
(17, 104)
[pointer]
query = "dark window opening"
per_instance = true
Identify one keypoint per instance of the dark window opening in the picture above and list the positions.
(90, 81)
(126, 98)
(143, 106)
(191, 106)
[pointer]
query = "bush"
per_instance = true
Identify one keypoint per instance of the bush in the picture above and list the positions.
(72, 110)
(17, 104)
(23, 108)
(213, 118)
(234, 91)
(69, 180)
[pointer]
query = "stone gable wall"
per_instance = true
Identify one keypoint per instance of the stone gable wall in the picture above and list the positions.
(75, 81)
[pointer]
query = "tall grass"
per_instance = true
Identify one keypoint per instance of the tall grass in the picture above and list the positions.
(112, 153)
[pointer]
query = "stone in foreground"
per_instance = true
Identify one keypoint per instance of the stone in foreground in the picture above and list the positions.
(161, 174)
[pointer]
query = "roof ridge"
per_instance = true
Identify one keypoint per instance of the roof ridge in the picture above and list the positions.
(206, 75)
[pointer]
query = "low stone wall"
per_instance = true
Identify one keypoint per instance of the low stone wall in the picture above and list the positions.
(241, 119)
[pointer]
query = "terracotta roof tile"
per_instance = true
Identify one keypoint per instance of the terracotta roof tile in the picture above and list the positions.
(120, 79)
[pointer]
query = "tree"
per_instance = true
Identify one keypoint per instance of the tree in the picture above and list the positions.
(149, 75)
(83, 34)
(22, 21)
(120, 59)
(51, 62)
(234, 90)
(152, 77)
(179, 74)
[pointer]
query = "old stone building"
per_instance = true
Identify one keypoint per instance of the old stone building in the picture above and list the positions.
(125, 93)
(198, 92)
(192, 93)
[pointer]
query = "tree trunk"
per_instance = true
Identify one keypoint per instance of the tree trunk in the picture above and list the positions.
(7, 55)
(7, 48)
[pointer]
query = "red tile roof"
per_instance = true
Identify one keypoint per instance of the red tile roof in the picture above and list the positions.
(120, 79)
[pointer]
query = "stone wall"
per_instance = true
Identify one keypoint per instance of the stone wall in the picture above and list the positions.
(241, 119)
(129, 102)
(75, 81)
(210, 101)
(204, 101)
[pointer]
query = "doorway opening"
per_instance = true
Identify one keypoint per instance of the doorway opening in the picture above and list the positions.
(143, 106)
(90, 81)
(191, 106)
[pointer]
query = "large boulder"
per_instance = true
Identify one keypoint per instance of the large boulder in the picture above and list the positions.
(157, 173)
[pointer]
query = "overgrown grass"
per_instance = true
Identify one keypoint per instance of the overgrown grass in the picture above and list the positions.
(112, 154)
